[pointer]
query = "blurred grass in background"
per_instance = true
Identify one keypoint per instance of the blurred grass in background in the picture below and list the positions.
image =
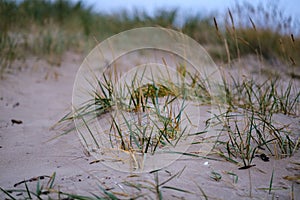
(48, 29)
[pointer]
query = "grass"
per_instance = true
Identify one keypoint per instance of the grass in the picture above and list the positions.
(49, 189)
(268, 38)
(145, 114)
(41, 29)
(249, 124)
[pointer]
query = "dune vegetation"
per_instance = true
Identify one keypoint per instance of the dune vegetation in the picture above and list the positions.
(48, 29)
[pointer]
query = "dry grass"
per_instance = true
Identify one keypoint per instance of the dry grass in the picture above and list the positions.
(42, 29)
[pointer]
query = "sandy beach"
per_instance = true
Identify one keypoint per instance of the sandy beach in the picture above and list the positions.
(35, 98)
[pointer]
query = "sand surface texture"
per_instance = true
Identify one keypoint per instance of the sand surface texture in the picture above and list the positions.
(36, 98)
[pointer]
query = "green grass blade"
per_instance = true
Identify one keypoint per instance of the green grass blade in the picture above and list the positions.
(27, 190)
(271, 182)
(108, 194)
(7, 193)
(90, 132)
(176, 189)
(51, 181)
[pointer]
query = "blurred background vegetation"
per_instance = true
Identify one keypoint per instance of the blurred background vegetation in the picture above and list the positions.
(47, 29)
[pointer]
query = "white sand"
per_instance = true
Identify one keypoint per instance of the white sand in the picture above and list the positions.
(26, 151)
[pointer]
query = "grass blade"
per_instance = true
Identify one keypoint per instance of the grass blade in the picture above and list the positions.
(7, 193)
(271, 182)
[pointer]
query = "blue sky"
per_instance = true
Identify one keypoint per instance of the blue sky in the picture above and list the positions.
(291, 7)
(193, 7)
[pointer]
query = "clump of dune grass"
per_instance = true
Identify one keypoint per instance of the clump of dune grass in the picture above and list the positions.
(38, 28)
(50, 190)
(264, 97)
(157, 187)
(251, 30)
(45, 187)
(43, 29)
(7, 52)
(249, 125)
(145, 114)
(47, 29)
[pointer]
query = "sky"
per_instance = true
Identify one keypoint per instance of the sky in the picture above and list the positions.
(191, 7)
(291, 7)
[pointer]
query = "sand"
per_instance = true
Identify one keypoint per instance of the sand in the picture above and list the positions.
(39, 95)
